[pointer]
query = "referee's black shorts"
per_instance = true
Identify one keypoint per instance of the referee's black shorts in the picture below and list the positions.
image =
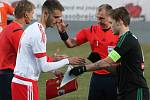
(103, 87)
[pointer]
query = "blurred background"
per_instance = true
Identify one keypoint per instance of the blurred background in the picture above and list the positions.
(81, 13)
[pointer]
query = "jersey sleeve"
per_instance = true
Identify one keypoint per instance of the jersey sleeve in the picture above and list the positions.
(123, 46)
(10, 9)
(51, 66)
(39, 46)
(81, 36)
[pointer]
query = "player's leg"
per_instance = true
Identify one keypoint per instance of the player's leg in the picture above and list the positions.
(24, 90)
(95, 89)
(5, 84)
(110, 87)
(138, 94)
(142, 94)
(19, 91)
(146, 94)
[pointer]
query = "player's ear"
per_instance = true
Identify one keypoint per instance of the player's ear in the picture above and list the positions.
(46, 13)
(118, 23)
(25, 15)
(121, 22)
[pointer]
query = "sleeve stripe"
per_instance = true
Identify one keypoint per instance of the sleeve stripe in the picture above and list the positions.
(114, 55)
(40, 55)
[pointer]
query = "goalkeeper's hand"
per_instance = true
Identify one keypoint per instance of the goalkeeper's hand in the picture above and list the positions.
(77, 70)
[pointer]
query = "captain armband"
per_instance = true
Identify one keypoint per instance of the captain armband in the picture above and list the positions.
(114, 55)
(64, 36)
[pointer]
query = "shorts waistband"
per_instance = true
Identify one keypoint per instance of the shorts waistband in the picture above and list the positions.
(25, 79)
(6, 71)
(104, 75)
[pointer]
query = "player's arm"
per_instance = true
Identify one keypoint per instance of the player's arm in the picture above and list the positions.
(70, 42)
(50, 59)
(109, 63)
(123, 46)
(10, 9)
(56, 72)
(51, 66)
(56, 56)
(39, 51)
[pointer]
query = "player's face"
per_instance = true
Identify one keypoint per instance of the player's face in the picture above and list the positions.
(53, 18)
(102, 17)
(29, 17)
(114, 26)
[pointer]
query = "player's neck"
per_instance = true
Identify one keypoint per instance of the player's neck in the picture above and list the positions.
(21, 22)
(124, 30)
(42, 21)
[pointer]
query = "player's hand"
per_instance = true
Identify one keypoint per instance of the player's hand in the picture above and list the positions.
(57, 56)
(76, 60)
(61, 26)
(77, 70)
(58, 73)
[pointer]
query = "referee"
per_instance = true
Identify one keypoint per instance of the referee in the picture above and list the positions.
(131, 82)
(101, 40)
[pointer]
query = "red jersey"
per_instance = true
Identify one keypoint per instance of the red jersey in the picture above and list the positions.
(4, 10)
(100, 41)
(9, 40)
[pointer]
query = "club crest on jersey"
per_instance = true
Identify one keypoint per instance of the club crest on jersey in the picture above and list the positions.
(43, 39)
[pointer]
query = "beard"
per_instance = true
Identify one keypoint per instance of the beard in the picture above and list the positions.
(101, 23)
(49, 22)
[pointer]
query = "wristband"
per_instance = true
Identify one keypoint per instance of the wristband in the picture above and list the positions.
(84, 68)
(64, 36)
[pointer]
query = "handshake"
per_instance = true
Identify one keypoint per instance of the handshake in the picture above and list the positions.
(77, 70)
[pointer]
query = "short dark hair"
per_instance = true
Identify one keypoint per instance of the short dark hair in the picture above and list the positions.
(107, 7)
(52, 5)
(121, 13)
(22, 7)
